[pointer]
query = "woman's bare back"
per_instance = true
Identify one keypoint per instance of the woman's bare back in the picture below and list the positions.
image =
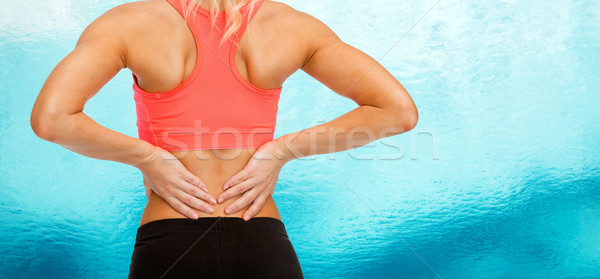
(161, 52)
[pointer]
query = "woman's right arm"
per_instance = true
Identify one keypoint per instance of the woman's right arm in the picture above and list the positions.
(57, 115)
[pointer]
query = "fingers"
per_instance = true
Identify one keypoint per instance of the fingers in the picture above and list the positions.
(256, 206)
(192, 201)
(181, 208)
(236, 179)
(236, 190)
(242, 201)
(184, 196)
(194, 180)
(195, 192)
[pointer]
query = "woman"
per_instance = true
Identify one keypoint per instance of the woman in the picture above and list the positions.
(207, 77)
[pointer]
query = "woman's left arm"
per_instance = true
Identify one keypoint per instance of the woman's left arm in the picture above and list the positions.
(385, 109)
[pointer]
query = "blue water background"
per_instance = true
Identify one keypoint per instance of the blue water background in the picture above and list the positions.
(500, 179)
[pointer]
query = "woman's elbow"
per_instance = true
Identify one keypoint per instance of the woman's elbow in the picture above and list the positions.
(407, 117)
(42, 124)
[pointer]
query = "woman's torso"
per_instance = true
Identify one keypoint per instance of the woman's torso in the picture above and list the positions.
(162, 54)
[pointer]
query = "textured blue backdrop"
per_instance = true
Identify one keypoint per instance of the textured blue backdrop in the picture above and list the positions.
(500, 179)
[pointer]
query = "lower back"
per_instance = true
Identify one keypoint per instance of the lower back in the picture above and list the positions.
(214, 167)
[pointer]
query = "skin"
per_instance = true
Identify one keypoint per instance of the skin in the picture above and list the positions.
(151, 39)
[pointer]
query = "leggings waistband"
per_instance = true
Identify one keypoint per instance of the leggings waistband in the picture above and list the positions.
(220, 223)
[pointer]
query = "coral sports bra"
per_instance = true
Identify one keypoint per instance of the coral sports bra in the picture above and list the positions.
(215, 107)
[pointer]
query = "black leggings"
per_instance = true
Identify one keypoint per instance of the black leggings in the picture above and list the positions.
(214, 247)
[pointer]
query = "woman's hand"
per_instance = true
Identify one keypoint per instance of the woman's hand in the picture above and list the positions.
(256, 181)
(166, 176)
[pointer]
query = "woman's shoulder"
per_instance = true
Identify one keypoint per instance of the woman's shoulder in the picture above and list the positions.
(287, 16)
(129, 19)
